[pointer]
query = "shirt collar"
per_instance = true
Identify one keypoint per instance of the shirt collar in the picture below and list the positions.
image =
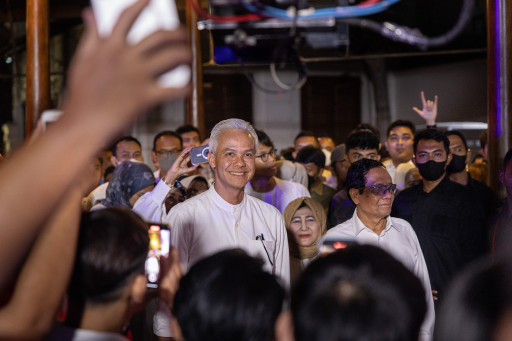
(226, 206)
(359, 226)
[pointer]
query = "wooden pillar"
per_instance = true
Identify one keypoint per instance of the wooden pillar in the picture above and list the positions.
(38, 66)
(499, 78)
(195, 109)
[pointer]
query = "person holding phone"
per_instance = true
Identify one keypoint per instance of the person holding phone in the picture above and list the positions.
(108, 283)
(105, 94)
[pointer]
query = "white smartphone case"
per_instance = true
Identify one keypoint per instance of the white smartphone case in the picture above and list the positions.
(159, 14)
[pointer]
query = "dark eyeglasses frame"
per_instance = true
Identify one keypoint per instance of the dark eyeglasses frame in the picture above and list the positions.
(264, 156)
(382, 189)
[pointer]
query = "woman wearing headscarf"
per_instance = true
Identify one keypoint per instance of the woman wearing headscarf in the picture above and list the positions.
(129, 182)
(305, 220)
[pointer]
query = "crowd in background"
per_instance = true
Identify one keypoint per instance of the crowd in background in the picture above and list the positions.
(393, 237)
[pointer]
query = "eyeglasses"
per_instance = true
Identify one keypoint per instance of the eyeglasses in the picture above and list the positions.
(264, 156)
(382, 189)
(163, 152)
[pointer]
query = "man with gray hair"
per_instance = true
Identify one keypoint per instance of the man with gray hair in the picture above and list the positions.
(225, 216)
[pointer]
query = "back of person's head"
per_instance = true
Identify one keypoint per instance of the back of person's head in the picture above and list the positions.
(166, 133)
(363, 140)
(228, 297)
(401, 123)
(111, 251)
(476, 303)
(263, 138)
(369, 128)
(432, 134)
(359, 293)
(311, 154)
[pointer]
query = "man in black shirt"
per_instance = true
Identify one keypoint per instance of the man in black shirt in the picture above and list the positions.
(441, 212)
(483, 197)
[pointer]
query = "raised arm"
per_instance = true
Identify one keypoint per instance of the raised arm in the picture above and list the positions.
(105, 94)
(429, 110)
(151, 205)
(42, 283)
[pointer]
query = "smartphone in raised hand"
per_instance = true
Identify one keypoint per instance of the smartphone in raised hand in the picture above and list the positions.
(158, 14)
(159, 246)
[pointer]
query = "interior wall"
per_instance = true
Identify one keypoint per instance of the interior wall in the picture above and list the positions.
(277, 114)
(461, 89)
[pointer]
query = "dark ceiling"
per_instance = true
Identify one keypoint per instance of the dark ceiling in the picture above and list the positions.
(432, 17)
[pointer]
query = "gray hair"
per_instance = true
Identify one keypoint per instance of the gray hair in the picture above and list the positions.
(231, 123)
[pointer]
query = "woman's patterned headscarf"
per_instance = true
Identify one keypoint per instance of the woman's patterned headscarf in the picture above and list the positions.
(128, 178)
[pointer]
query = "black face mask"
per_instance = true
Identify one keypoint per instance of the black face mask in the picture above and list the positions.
(458, 164)
(431, 170)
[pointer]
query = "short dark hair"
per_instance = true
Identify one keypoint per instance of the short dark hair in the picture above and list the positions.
(362, 140)
(187, 128)
(432, 134)
(228, 297)
(311, 154)
(263, 138)
(359, 293)
(109, 170)
(356, 175)
(305, 133)
(111, 251)
(368, 127)
(166, 133)
(477, 300)
(506, 159)
(459, 134)
(126, 138)
(401, 123)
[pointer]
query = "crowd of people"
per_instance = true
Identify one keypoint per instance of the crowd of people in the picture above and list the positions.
(360, 240)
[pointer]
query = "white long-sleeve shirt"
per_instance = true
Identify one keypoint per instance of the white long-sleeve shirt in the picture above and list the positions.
(206, 224)
(400, 240)
(281, 195)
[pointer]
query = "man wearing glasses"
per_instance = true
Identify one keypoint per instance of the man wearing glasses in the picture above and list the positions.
(264, 185)
(166, 148)
(370, 187)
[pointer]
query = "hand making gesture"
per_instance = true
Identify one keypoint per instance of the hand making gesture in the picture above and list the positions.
(429, 110)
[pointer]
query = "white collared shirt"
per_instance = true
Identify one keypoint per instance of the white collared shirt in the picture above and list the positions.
(399, 172)
(400, 240)
(281, 195)
(206, 224)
